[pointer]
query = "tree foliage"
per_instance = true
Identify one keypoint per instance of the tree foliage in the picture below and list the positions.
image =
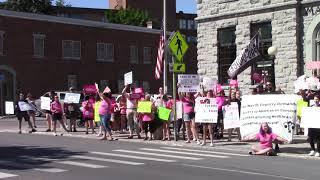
(128, 16)
(62, 3)
(33, 6)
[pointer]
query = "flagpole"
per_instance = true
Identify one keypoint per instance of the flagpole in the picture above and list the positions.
(165, 88)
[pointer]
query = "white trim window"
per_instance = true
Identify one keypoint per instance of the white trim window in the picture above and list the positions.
(134, 54)
(38, 45)
(71, 49)
(105, 52)
(146, 86)
(182, 24)
(1, 42)
(103, 84)
(147, 55)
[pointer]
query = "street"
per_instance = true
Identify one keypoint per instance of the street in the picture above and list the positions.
(37, 156)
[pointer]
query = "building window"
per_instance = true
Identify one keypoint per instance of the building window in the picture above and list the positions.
(227, 50)
(71, 49)
(120, 85)
(72, 81)
(134, 54)
(182, 24)
(147, 55)
(192, 39)
(265, 64)
(1, 42)
(103, 84)
(38, 45)
(146, 86)
(105, 52)
(191, 24)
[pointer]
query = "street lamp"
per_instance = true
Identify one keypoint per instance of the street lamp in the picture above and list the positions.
(272, 51)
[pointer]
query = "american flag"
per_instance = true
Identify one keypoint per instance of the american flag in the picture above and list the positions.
(159, 64)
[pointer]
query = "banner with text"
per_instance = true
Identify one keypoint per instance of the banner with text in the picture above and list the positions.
(206, 110)
(45, 103)
(279, 111)
(9, 107)
(128, 78)
(231, 117)
(188, 83)
(72, 98)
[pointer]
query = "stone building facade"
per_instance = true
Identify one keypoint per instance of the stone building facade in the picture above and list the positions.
(225, 27)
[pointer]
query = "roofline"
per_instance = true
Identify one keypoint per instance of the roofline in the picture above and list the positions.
(80, 8)
(79, 22)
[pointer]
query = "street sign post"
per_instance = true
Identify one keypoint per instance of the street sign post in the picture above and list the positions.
(179, 68)
(178, 46)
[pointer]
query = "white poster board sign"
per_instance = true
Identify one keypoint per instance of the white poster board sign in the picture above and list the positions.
(45, 103)
(188, 83)
(72, 98)
(310, 117)
(24, 106)
(209, 83)
(179, 110)
(9, 107)
(231, 117)
(206, 110)
(279, 111)
(128, 78)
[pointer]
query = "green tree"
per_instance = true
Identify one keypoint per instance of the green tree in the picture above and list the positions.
(128, 16)
(33, 6)
(62, 3)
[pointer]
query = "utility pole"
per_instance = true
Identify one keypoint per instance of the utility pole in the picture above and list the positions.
(165, 77)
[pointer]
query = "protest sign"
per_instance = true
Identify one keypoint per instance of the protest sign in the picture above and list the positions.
(9, 107)
(45, 103)
(96, 111)
(279, 111)
(138, 91)
(209, 83)
(231, 117)
(144, 107)
(164, 113)
(24, 106)
(128, 78)
(301, 104)
(188, 83)
(90, 89)
(206, 110)
(72, 98)
(179, 110)
(310, 117)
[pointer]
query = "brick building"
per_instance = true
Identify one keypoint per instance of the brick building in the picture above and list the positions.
(226, 26)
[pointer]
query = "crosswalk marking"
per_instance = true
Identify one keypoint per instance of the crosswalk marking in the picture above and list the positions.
(107, 160)
(186, 153)
(210, 152)
(73, 163)
(6, 175)
(133, 157)
(159, 155)
(50, 170)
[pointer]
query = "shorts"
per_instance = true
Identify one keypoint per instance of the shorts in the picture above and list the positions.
(105, 121)
(31, 112)
(48, 112)
(87, 119)
(188, 116)
(56, 116)
(72, 115)
(23, 115)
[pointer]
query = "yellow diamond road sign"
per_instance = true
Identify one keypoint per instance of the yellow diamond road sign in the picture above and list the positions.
(178, 46)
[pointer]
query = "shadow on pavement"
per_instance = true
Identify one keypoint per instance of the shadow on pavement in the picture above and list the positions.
(29, 157)
(295, 150)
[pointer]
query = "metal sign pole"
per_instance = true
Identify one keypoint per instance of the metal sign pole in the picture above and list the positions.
(174, 93)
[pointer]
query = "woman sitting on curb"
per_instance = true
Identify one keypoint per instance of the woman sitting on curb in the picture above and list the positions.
(265, 137)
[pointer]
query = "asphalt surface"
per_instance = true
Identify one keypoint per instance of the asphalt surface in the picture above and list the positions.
(34, 156)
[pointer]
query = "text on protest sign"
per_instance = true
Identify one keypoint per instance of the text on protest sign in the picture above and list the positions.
(279, 111)
(72, 98)
(9, 107)
(179, 110)
(206, 110)
(24, 106)
(231, 117)
(45, 103)
(188, 83)
(128, 78)
(310, 117)
(209, 83)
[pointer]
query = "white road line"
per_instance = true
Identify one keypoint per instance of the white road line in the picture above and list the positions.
(6, 175)
(50, 170)
(107, 160)
(73, 163)
(133, 157)
(159, 155)
(244, 172)
(210, 152)
(186, 153)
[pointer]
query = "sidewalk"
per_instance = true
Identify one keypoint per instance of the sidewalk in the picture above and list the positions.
(299, 148)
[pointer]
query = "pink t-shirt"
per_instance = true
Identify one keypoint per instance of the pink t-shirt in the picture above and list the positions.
(188, 105)
(169, 104)
(56, 107)
(123, 107)
(266, 141)
(131, 101)
(146, 117)
(105, 108)
(220, 101)
(87, 110)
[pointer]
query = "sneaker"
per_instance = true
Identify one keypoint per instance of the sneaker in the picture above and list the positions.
(198, 142)
(211, 144)
(34, 130)
(203, 144)
(187, 141)
(55, 134)
(317, 155)
(312, 153)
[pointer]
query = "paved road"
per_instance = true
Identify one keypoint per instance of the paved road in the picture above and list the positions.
(34, 156)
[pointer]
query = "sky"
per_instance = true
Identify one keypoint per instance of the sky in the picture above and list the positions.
(187, 6)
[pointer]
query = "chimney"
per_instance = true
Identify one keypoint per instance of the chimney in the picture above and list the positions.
(149, 24)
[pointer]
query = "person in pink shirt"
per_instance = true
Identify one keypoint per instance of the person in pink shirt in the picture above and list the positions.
(88, 113)
(221, 101)
(265, 137)
(188, 117)
(57, 112)
(147, 119)
(105, 115)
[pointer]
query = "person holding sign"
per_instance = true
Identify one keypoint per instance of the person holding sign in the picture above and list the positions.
(57, 112)
(22, 112)
(265, 137)
(188, 117)
(314, 134)
(122, 104)
(88, 113)
(147, 117)
(32, 112)
(233, 99)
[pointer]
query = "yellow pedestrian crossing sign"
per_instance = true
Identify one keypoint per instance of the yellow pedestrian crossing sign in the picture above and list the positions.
(178, 46)
(179, 68)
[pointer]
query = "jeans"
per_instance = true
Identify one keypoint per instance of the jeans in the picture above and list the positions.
(105, 121)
